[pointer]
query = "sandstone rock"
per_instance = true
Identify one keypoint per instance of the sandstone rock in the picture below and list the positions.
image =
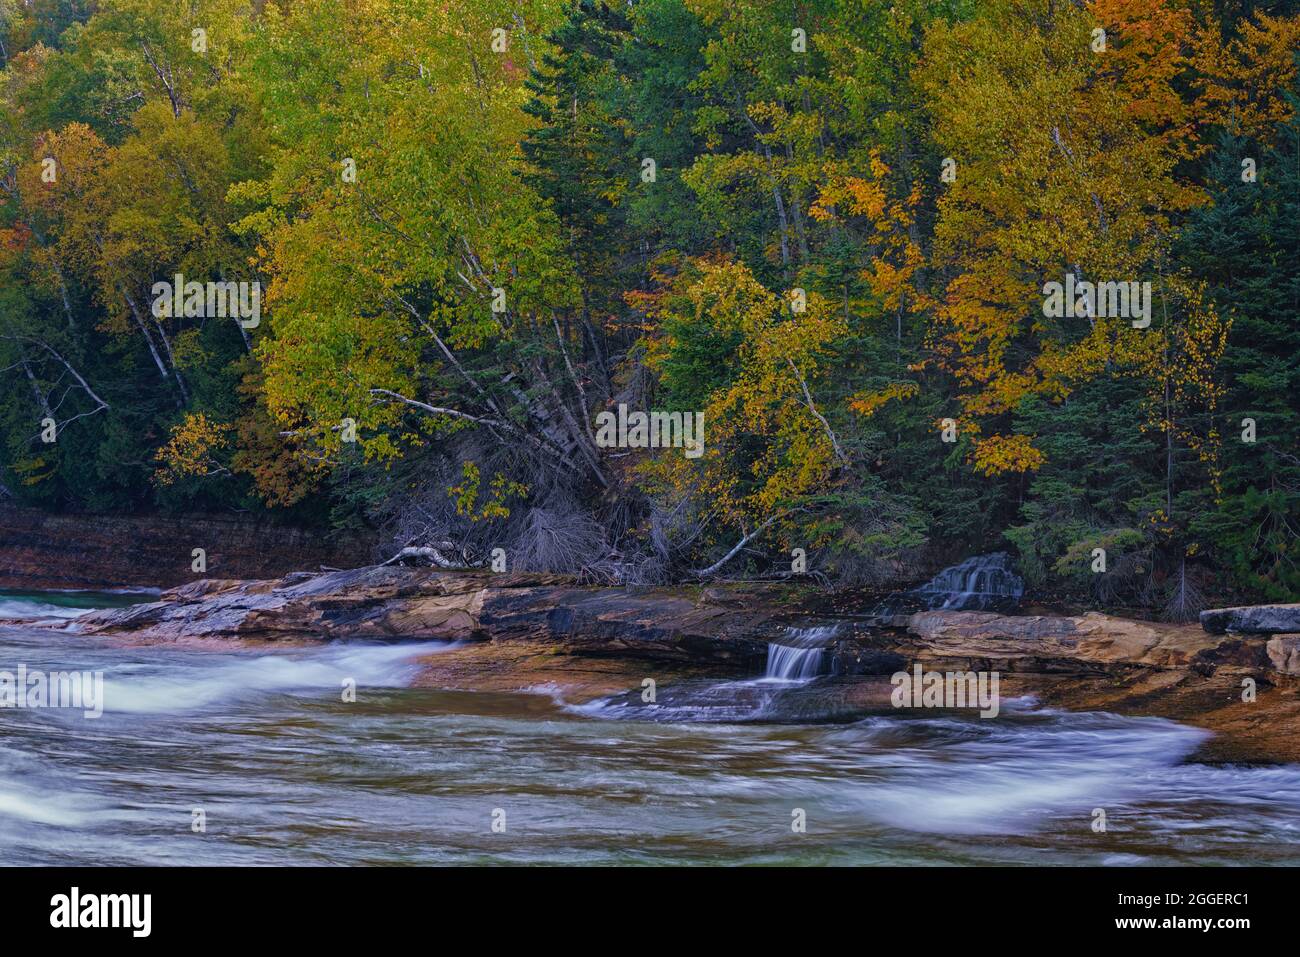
(545, 632)
(1284, 653)
(1052, 644)
(982, 625)
(390, 602)
(719, 626)
(1253, 619)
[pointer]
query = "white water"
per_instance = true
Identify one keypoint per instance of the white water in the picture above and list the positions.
(22, 799)
(18, 608)
(290, 774)
(225, 678)
(999, 778)
(980, 582)
(801, 658)
(58, 606)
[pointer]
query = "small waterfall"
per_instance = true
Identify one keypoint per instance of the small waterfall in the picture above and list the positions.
(982, 583)
(801, 658)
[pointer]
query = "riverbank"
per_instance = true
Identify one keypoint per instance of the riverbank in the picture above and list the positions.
(287, 766)
(42, 550)
(580, 643)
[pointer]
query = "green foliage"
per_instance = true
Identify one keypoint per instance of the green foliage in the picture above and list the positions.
(440, 330)
(1245, 245)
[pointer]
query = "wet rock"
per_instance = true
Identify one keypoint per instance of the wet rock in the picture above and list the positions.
(372, 602)
(391, 602)
(1253, 619)
(852, 659)
(1249, 652)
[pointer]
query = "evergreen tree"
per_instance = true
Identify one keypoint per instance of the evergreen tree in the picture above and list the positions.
(1244, 244)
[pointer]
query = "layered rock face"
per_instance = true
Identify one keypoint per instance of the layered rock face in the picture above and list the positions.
(1242, 687)
(1280, 623)
(540, 631)
(377, 603)
(1073, 644)
(44, 551)
(688, 625)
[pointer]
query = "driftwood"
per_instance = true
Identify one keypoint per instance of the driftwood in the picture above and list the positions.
(433, 555)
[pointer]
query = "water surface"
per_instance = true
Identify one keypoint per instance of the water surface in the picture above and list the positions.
(287, 772)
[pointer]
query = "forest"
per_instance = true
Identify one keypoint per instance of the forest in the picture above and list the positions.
(890, 258)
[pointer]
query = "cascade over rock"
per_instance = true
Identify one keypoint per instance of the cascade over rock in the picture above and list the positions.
(980, 583)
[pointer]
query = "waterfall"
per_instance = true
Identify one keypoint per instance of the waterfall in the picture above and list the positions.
(983, 582)
(801, 658)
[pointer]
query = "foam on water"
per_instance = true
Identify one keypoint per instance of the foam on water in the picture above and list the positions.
(707, 773)
(22, 608)
(221, 678)
(23, 800)
(996, 777)
(39, 809)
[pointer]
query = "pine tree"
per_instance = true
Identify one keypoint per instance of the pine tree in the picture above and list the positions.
(1244, 245)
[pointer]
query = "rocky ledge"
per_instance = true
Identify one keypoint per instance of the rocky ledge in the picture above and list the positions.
(530, 631)
(385, 603)
(1252, 619)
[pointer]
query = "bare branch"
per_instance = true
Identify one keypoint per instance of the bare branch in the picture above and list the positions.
(736, 549)
(808, 399)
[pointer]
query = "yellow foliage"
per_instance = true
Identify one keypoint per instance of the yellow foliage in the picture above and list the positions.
(1047, 162)
(191, 450)
(1244, 81)
(466, 494)
(867, 403)
(997, 454)
(770, 407)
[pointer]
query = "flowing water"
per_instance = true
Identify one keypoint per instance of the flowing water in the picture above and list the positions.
(285, 771)
(982, 582)
(801, 657)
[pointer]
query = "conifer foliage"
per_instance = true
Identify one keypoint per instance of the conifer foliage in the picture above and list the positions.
(929, 277)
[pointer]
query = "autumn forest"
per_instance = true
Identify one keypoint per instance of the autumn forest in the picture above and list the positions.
(463, 230)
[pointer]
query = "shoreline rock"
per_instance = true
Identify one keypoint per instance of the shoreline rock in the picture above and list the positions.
(1284, 653)
(531, 632)
(394, 603)
(1253, 619)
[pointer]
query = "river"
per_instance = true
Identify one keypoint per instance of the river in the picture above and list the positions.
(261, 749)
